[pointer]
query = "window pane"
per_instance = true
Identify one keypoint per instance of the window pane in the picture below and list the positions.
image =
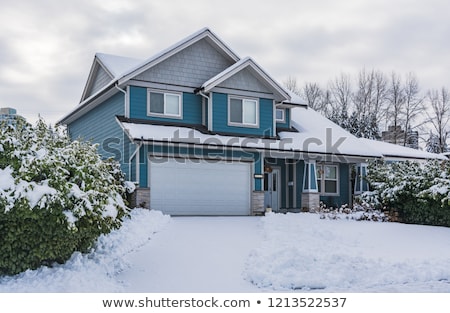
(249, 112)
(280, 114)
(330, 186)
(330, 172)
(173, 104)
(157, 103)
(235, 111)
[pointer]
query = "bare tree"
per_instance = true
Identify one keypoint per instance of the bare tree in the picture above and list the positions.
(440, 116)
(362, 98)
(396, 100)
(291, 84)
(413, 104)
(313, 95)
(380, 96)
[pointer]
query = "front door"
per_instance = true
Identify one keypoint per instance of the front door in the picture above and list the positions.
(272, 189)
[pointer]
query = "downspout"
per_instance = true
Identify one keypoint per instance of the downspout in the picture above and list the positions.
(209, 99)
(125, 100)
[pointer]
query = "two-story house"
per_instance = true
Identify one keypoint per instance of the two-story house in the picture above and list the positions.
(205, 132)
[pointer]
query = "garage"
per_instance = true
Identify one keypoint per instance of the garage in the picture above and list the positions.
(200, 187)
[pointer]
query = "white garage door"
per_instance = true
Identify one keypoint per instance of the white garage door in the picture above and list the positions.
(200, 187)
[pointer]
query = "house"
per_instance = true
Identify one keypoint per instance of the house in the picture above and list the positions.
(203, 131)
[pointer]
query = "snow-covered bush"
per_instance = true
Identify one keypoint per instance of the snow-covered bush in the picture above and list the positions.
(418, 192)
(56, 196)
(361, 211)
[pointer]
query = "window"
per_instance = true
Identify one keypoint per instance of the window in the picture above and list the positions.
(328, 179)
(280, 115)
(243, 112)
(164, 104)
(309, 179)
(361, 183)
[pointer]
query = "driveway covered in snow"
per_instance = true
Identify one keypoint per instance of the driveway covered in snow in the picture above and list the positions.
(195, 254)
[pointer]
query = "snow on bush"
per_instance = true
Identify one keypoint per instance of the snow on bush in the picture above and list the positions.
(418, 192)
(56, 196)
(361, 211)
(95, 271)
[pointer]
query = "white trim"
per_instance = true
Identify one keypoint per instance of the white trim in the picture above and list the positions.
(307, 169)
(274, 122)
(127, 102)
(361, 180)
(243, 124)
(165, 93)
(236, 68)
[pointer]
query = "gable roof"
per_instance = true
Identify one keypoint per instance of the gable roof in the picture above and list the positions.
(122, 69)
(183, 44)
(112, 66)
(246, 63)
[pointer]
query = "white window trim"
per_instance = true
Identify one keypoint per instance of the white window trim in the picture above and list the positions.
(165, 115)
(283, 120)
(361, 180)
(322, 179)
(243, 124)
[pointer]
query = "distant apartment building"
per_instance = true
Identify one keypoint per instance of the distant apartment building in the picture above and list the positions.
(9, 116)
(396, 135)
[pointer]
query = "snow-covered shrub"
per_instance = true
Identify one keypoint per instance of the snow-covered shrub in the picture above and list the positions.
(418, 192)
(56, 196)
(361, 211)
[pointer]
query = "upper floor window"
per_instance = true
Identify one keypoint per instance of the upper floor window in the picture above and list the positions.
(280, 115)
(164, 104)
(243, 112)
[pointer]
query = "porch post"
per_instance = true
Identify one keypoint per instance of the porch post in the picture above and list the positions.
(310, 194)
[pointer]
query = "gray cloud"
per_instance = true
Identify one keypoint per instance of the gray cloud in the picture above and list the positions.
(48, 46)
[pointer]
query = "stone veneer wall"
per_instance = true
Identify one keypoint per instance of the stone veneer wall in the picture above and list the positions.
(258, 203)
(310, 200)
(140, 198)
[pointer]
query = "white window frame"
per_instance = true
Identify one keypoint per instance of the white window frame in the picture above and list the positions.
(362, 179)
(165, 94)
(321, 179)
(282, 120)
(230, 123)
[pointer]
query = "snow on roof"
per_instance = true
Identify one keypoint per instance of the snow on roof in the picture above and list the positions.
(296, 99)
(392, 151)
(117, 65)
(316, 135)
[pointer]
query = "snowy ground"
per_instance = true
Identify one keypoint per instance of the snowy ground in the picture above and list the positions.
(292, 252)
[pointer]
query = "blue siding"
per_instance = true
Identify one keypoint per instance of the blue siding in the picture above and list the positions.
(287, 123)
(99, 126)
(192, 107)
(220, 117)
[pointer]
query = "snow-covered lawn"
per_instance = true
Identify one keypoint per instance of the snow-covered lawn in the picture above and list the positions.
(292, 252)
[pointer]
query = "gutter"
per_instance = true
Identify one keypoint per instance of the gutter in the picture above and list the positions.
(125, 102)
(209, 99)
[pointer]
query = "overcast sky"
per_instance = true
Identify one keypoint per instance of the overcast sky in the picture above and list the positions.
(47, 46)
